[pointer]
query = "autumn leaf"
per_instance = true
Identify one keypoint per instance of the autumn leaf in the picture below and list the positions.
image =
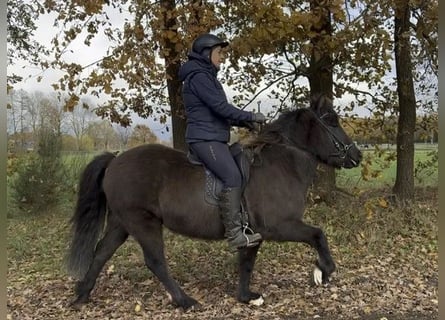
(383, 203)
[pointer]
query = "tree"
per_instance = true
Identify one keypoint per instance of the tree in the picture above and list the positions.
(314, 40)
(141, 135)
(16, 113)
(102, 134)
(42, 171)
(172, 61)
(321, 82)
(123, 134)
(414, 30)
(272, 54)
(144, 56)
(21, 23)
(33, 110)
(78, 121)
(356, 50)
(165, 29)
(404, 184)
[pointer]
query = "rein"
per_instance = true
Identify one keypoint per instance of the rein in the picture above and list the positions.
(341, 147)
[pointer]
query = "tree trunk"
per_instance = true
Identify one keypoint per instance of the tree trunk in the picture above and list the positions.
(404, 184)
(174, 86)
(321, 81)
(177, 114)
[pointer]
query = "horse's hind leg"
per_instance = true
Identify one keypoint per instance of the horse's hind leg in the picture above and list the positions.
(115, 235)
(247, 259)
(149, 235)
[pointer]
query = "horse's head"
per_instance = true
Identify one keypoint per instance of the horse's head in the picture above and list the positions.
(315, 129)
(326, 137)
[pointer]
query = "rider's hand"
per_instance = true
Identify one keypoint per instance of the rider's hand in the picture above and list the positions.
(258, 117)
(248, 124)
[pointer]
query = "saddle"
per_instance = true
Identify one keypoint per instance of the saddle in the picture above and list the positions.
(213, 185)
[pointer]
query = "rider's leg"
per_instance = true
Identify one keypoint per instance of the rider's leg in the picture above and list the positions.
(217, 158)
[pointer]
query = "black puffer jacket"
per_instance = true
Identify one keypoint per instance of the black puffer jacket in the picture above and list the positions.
(209, 115)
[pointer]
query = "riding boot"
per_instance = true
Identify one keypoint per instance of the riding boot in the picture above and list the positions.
(230, 205)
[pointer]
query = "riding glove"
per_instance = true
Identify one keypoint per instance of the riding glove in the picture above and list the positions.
(258, 117)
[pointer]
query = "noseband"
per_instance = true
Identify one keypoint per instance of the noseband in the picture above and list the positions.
(342, 148)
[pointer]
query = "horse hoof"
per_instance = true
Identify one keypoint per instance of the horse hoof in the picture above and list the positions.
(318, 276)
(251, 298)
(257, 302)
(190, 304)
(78, 303)
(195, 307)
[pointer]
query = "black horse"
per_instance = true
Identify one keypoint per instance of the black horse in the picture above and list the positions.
(151, 186)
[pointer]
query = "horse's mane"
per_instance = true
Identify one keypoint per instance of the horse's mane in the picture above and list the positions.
(278, 131)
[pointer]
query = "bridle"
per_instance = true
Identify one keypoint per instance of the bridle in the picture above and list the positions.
(342, 148)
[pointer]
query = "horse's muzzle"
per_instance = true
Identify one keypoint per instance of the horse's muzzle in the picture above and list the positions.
(353, 158)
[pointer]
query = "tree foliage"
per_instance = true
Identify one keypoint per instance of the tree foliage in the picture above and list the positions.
(132, 74)
(141, 135)
(270, 54)
(277, 47)
(39, 176)
(21, 23)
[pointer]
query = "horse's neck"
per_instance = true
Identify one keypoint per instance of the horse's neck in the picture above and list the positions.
(298, 162)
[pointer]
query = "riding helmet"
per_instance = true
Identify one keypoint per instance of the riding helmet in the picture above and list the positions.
(207, 41)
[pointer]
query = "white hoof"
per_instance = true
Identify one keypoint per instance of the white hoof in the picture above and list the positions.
(257, 302)
(318, 276)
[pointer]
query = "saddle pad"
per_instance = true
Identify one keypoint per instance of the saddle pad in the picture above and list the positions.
(213, 185)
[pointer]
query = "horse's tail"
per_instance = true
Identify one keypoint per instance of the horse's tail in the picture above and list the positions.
(89, 217)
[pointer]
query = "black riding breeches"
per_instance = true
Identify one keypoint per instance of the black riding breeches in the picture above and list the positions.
(217, 158)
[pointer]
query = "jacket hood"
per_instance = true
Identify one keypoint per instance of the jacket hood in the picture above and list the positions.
(196, 63)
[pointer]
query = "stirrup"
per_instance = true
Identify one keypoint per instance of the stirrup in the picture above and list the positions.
(248, 231)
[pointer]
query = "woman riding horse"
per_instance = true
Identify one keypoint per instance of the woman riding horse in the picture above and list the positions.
(151, 187)
(209, 117)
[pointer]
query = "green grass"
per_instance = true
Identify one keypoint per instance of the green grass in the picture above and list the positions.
(385, 171)
(36, 245)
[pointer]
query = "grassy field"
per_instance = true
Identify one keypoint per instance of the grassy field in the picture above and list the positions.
(386, 254)
(383, 172)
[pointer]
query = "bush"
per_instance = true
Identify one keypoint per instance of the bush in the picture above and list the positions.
(37, 184)
(73, 165)
(39, 177)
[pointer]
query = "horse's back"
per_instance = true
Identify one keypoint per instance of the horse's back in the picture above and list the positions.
(151, 152)
(162, 183)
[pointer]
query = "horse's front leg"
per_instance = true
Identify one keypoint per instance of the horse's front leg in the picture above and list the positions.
(299, 231)
(246, 259)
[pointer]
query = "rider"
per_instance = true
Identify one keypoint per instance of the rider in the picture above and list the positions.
(209, 117)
